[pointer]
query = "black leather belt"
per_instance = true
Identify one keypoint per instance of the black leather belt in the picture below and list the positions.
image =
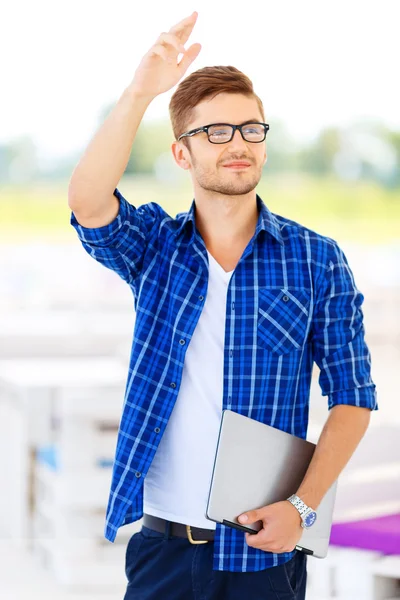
(195, 535)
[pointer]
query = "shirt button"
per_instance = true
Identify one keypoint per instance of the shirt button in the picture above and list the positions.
(201, 297)
(285, 298)
(230, 352)
(182, 342)
(137, 474)
(157, 430)
(173, 385)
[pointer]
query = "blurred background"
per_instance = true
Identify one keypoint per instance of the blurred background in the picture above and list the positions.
(326, 73)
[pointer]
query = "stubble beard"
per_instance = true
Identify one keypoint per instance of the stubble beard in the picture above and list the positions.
(231, 183)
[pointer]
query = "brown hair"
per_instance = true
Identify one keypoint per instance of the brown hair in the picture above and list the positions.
(206, 83)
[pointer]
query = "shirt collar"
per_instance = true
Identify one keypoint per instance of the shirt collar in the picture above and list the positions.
(266, 220)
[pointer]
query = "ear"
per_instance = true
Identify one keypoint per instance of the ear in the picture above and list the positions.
(181, 155)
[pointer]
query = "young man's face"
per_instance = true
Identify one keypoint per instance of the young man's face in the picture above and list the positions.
(206, 160)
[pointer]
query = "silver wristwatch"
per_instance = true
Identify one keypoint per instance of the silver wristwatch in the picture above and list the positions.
(307, 514)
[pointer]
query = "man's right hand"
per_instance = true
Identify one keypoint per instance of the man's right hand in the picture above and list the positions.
(159, 70)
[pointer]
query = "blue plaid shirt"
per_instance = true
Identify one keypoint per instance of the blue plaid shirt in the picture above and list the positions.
(291, 300)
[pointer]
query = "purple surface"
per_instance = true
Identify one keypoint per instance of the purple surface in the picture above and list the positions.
(380, 533)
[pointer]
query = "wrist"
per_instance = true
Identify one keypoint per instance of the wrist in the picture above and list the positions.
(295, 510)
(136, 95)
(307, 514)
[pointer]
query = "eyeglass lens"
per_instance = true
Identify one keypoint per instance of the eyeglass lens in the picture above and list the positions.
(252, 132)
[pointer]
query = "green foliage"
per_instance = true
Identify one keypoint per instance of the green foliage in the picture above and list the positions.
(358, 211)
(318, 157)
(152, 139)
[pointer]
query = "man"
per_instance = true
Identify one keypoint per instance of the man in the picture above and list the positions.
(233, 304)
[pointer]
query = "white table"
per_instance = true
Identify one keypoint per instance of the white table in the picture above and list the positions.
(43, 333)
(29, 390)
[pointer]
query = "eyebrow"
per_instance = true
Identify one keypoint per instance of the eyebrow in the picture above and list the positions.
(250, 121)
(245, 122)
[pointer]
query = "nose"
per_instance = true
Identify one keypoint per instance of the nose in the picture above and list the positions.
(237, 140)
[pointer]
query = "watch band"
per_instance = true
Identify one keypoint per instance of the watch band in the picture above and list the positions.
(299, 504)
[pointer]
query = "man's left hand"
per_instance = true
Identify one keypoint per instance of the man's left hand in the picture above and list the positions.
(281, 527)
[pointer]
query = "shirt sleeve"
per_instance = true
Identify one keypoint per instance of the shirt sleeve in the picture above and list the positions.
(121, 244)
(337, 335)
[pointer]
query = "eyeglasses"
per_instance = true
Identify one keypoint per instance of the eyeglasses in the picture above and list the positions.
(221, 133)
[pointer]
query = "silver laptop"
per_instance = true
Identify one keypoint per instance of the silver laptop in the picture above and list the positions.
(256, 465)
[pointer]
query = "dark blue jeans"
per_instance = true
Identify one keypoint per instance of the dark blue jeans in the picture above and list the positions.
(164, 567)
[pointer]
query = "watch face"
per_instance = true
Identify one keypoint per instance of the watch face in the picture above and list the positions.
(310, 519)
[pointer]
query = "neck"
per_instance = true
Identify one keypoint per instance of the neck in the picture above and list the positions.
(223, 220)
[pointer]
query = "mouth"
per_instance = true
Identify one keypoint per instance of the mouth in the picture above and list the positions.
(237, 165)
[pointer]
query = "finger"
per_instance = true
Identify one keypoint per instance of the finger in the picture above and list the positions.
(159, 50)
(250, 540)
(252, 517)
(256, 540)
(169, 39)
(190, 55)
(184, 22)
(184, 28)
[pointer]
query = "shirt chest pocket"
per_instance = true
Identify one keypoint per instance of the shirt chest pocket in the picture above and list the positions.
(282, 319)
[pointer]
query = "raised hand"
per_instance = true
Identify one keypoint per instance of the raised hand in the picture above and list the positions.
(159, 70)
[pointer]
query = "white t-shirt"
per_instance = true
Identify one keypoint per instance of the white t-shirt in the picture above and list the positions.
(177, 484)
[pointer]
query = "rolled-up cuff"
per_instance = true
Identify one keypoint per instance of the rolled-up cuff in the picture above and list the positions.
(365, 397)
(106, 235)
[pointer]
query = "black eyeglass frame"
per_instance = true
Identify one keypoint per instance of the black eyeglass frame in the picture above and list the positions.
(234, 127)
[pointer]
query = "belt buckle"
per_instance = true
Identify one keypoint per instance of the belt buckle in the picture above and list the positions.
(191, 540)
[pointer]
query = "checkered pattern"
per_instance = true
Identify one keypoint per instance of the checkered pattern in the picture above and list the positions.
(292, 300)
